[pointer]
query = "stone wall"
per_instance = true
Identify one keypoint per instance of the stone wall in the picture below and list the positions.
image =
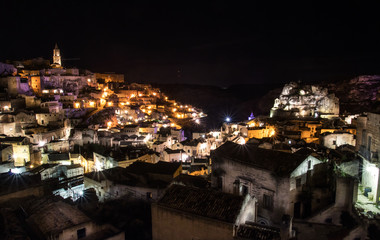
(334, 140)
(170, 224)
(31, 191)
(368, 136)
(258, 182)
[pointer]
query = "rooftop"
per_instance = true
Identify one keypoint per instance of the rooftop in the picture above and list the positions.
(42, 167)
(52, 218)
(281, 163)
(11, 139)
(258, 232)
(59, 156)
(192, 181)
(170, 151)
(161, 167)
(203, 202)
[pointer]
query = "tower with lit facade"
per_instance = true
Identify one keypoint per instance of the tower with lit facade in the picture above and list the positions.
(57, 56)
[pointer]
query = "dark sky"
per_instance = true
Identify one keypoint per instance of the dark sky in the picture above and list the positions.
(206, 42)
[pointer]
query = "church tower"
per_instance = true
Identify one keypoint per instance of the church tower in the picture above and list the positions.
(57, 56)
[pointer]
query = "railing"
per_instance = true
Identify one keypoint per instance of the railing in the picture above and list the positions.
(370, 156)
(364, 152)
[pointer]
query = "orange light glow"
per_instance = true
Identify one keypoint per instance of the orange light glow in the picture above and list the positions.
(272, 133)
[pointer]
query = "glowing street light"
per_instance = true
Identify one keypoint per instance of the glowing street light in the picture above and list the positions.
(228, 119)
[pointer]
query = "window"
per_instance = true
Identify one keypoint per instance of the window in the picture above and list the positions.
(298, 182)
(308, 164)
(334, 142)
(149, 195)
(220, 182)
(236, 185)
(268, 202)
(81, 233)
(244, 190)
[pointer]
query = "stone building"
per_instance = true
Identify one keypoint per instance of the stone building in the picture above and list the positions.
(334, 140)
(6, 153)
(12, 84)
(185, 212)
(60, 220)
(368, 145)
(45, 119)
(110, 77)
(21, 149)
(52, 106)
(140, 180)
(170, 155)
(273, 177)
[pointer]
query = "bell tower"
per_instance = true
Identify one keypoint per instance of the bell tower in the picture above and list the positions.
(57, 56)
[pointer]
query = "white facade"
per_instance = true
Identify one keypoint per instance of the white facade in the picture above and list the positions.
(334, 140)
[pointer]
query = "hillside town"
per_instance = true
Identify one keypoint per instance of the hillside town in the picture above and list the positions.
(89, 155)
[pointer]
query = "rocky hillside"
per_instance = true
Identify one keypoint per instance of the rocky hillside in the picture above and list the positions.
(357, 95)
(7, 69)
(238, 101)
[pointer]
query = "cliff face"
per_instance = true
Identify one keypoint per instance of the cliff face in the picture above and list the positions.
(357, 95)
(305, 100)
(7, 69)
(237, 101)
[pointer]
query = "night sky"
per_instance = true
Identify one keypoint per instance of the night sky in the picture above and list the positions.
(208, 42)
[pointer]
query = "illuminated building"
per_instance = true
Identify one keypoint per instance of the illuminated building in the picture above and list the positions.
(57, 57)
(110, 77)
(35, 84)
(368, 146)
